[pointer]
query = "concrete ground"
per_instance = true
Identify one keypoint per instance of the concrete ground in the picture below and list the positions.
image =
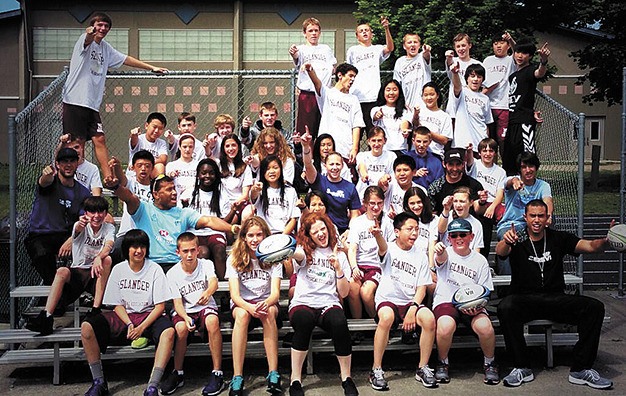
(130, 377)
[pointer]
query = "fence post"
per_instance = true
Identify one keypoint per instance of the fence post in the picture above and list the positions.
(622, 189)
(293, 102)
(12, 218)
(581, 188)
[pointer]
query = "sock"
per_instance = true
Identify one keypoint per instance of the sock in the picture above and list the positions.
(96, 369)
(155, 376)
(180, 372)
(48, 314)
(219, 373)
(444, 361)
(489, 360)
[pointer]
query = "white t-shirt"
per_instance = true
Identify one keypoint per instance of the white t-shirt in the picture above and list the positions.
(186, 178)
(340, 113)
(137, 291)
(392, 126)
(403, 271)
(497, 71)
(87, 245)
(428, 233)
(413, 73)
(394, 196)
(317, 284)
(367, 60)
(278, 213)
(376, 167)
(254, 285)
(143, 193)
(190, 287)
(450, 109)
(202, 205)
(322, 59)
(288, 170)
(156, 148)
(438, 122)
(88, 68)
(477, 229)
(472, 116)
(458, 271)
(367, 247)
(492, 178)
(88, 175)
(232, 186)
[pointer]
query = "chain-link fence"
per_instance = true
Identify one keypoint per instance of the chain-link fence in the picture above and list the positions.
(131, 96)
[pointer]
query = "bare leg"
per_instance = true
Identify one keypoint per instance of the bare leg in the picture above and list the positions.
(297, 360)
(354, 300)
(368, 291)
(56, 290)
(164, 350)
(102, 153)
(102, 282)
(344, 366)
(381, 336)
(212, 324)
(426, 320)
(486, 336)
(180, 348)
(446, 326)
(239, 339)
(270, 338)
(90, 343)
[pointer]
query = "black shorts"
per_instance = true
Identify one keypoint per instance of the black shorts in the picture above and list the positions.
(82, 122)
(80, 281)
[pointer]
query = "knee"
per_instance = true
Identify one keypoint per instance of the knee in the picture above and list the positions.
(86, 331)
(212, 324)
(242, 318)
(368, 292)
(167, 335)
(446, 327)
(181, 330)
(483, 328)
(385, 319)
(63, 273)
(203, 252)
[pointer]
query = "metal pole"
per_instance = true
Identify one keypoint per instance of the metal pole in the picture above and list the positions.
(622, 189)
(12, 217)
(581, 188)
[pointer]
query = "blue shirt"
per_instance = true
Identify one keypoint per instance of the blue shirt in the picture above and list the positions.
(341, 196)
(163, 227)
(515, 203)
(430, 162)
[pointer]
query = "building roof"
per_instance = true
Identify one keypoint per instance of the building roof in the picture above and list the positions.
(9, 8)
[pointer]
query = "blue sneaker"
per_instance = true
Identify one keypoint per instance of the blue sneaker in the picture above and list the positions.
(99, 387)
(151, 391)
(215, 384)
(589, 377)
(273, 383)
(236, 386)
(518, 376)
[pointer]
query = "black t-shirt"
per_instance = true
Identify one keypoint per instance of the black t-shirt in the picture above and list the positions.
(526, 262)
(440, 188)
(522, 86)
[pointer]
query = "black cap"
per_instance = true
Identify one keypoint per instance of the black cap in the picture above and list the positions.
(67, 153)
(454, 154)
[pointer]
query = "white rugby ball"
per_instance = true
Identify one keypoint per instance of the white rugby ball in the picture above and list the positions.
(276, 248)
(617, 237)
(471, 296)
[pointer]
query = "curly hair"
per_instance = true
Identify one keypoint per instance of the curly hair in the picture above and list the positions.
(283, 151)
(241, 255)
(304, 238)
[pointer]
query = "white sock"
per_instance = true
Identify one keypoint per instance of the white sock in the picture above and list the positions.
(180, 372)
(489, 360)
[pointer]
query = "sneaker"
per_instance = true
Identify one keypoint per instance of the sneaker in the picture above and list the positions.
(426, 376)
(99, 387)
(151, 391)
(441, 373)
(492, 377)
(236, 386)
(295, 389)
(215, 384)
(589, 377)
(349, 388)
(273, 383)
(171, 383)
(42, 324)
(377, 379)
(518, 376)
(357, 338)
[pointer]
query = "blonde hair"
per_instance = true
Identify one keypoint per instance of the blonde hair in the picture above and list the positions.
(224, 119)
(311, 21)
(283, 151)
(241, 258)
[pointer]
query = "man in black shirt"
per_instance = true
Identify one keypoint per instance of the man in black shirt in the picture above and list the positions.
(537, 292)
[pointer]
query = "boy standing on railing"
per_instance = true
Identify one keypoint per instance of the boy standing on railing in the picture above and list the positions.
(84, 87)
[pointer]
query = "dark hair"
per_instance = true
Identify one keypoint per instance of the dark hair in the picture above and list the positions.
(528, 158)
(315, 193)
(344, 68)
(214, 205)
(376, 131)
(144, 155)
(100, 17)
(536, 203)
(488, 142)
(421, 130)
(400, 104)
(434, 86)
(404, 159)
(135, 238)
(187, 117)
(427, 211)
(95, 204)
(317, 158)
(377, 192)
(525, 46)
(186, 237)
(157, 116)
(240, 166)
(475, 68)
(401, 218)
(155, 184)
(265, 163)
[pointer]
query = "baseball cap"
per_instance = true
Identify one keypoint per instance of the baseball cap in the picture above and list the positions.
(459, 225)
(453, 154)
(67, 153)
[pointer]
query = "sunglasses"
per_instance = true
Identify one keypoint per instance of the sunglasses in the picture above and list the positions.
(455, 235)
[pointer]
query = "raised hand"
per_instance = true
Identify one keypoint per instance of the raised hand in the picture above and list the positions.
(544, 52)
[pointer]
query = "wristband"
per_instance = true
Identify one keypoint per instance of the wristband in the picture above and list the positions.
(433, 269)
(307, 153)
(418, 306)
(340, 277)
(445, 216)
(129, 324)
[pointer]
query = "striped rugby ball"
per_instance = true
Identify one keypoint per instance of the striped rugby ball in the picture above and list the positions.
(471, 296)
(617, 237)
(276, 248)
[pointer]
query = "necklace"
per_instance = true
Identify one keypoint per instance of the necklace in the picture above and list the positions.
(540, 260)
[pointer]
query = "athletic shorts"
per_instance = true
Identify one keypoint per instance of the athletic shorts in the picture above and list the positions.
(199, 319)
(308, 113)
(80, 281)
(110, 330)
(399, 312)
(80, 121)
(448, 309)
(208, 240)
(371, 274)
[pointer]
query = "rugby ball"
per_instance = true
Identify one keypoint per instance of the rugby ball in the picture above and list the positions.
(276, 248)
(617, 237)
(471, 296)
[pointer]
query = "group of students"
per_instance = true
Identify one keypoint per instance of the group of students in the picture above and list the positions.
(375, 232)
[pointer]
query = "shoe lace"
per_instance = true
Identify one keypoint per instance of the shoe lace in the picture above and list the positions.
(273, 377)
(379, 374)
(427, 371)
(236, 383)
(595, 376)
(518, 373)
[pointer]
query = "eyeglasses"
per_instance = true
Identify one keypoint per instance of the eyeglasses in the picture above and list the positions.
(375, 204)
(455, 235)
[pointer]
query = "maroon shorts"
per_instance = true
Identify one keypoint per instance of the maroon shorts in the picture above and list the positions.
(292, 280)
(448, 309)
(199, 319)
(500, 123)
(370, 274)
(207, 240)
(308, 113)
(399, 312)
(80, 121)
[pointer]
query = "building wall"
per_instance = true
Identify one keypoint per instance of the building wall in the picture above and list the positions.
(10, 102)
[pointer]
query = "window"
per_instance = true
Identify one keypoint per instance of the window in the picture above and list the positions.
(273, 45)
(350, 38)
(594, 130)
(58, 44)
(186, 45)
